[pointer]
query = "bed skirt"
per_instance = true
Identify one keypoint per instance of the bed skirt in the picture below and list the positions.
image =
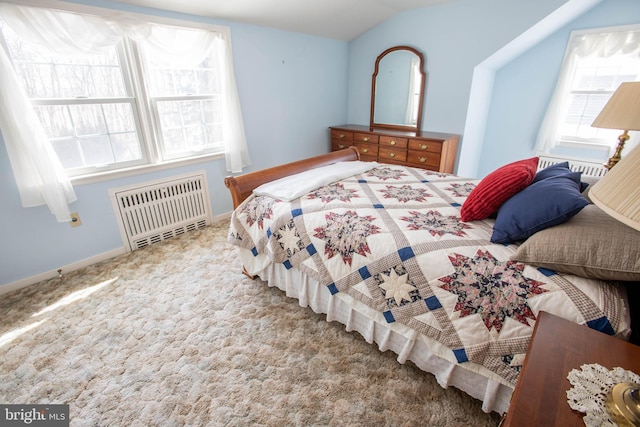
(427, 354)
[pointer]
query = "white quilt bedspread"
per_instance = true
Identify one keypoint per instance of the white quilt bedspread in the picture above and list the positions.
(392, 239)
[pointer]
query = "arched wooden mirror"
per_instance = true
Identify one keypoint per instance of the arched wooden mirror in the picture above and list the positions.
(397, 89)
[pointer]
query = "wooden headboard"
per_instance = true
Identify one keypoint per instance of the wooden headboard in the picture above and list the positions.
(241, 186)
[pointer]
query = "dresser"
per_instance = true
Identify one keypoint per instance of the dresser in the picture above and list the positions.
(427, 150)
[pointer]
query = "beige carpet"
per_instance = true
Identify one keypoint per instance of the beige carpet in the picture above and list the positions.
(174, 335)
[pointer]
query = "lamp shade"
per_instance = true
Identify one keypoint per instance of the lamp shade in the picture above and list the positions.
(622, 111)
(618, 192)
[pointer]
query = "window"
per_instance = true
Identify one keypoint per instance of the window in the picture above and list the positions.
(187, 106)
(596, 63)
(129, 104)
(85, 104)
(594, 81)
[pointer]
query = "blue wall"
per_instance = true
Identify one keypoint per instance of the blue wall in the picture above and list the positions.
(453, 37)
(292, 88)
(518, 105)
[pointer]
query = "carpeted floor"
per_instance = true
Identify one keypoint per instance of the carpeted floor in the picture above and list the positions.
(175, 335)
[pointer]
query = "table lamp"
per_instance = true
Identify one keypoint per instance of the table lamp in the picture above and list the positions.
(618, 192)
(621, 112)
(618, 195)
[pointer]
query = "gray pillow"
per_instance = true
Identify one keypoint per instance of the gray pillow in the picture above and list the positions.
(588, 181)
(591, 244)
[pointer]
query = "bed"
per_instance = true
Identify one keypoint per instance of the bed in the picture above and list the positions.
(381, 249)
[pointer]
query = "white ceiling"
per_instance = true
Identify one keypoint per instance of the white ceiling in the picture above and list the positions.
(337, 19)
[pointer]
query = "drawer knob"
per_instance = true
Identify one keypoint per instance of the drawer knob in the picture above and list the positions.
(341, 146)
(424, 146)
(392, 154)
(341, 136)
(365, 138)
(365, 150)
(393, 142)
(422, 159)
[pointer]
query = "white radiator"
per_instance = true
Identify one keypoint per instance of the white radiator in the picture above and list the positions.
(154, 211)
(588, 168)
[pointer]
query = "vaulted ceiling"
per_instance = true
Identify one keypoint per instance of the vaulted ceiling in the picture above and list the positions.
(337, 19)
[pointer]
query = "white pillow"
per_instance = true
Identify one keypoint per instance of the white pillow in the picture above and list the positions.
(294, 186)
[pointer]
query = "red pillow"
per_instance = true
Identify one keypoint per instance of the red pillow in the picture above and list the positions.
(497, 187)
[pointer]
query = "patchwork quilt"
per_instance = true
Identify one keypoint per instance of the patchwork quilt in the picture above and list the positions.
(392, 238)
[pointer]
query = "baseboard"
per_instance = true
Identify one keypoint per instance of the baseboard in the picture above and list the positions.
(222, 217)
(23, 283)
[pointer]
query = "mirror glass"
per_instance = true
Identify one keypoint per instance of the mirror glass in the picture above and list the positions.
(397, 89)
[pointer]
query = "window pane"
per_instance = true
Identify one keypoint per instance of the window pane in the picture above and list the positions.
(91, 134)
(126, 147)
(174, 140)
(604, 74)
(68, 152)
(178, 82)
(88, 119)
(97, 150)
(119, 118)
(214, 133)
(583, 109)
(207, 81)
(167, 80)
(189, 126)
(56, 120)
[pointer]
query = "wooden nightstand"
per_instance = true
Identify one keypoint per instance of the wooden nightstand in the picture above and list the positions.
(557, 347)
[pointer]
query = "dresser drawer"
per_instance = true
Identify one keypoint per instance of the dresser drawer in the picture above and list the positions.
(392, 154)
(365, 137)
(391, 141)
(424, 159)
(340, 145)
(340, 135)
(425, 145)
(367, 149)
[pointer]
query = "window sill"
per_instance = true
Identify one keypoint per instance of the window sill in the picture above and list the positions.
(142, 169)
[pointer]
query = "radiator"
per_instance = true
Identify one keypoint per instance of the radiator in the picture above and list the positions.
(154, 211)
(588, 168)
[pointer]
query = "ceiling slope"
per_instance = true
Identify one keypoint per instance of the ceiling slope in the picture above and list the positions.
(336, 19)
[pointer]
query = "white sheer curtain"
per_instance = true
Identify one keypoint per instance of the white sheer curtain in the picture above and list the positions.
(189, 48)
(236, 151)
(171, 45)
(39, 175)
(603, 45)
(63, 33)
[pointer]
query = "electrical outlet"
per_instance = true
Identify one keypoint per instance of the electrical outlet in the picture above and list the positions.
(75, 220)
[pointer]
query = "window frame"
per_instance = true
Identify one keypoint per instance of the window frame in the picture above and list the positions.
(145, 118)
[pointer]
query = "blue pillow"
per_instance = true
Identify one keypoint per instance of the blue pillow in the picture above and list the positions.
(541, 205)
(553, 170)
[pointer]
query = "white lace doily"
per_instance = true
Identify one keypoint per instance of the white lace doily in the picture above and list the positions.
(591, 385)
